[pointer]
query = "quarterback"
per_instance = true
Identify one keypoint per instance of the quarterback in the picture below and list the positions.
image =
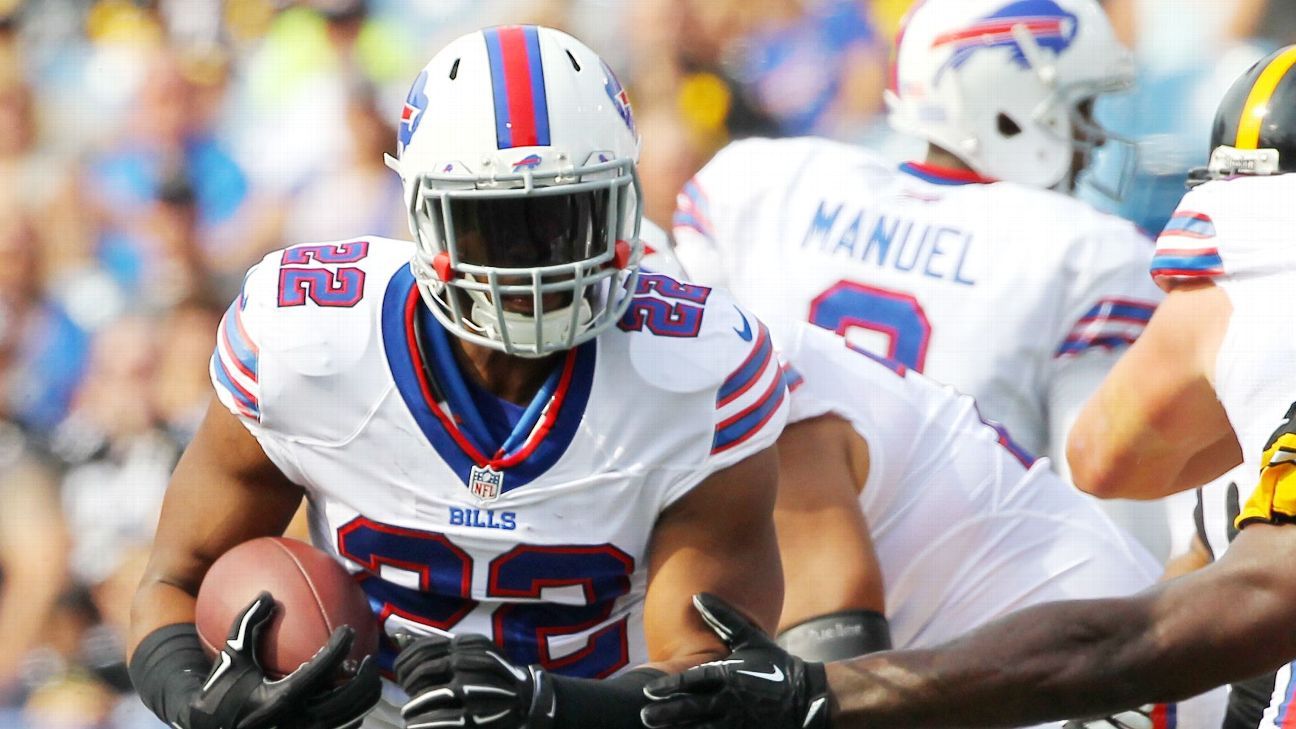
(972, 267)
(1212, 378)
(504, 428)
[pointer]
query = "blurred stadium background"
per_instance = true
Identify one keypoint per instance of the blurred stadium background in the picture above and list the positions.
(150, 151)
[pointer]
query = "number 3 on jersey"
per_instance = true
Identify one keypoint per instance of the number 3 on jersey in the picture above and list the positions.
(895, 315)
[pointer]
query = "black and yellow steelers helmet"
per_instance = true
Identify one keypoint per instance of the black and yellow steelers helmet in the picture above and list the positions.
(1255, 126)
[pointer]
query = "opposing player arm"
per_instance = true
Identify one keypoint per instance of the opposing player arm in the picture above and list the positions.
(834, 604)
(1155, 425)
(1054, 661)
(1226, 622)
(718, 538)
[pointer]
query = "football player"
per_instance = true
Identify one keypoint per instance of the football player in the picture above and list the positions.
(503, 428)
(872, 452)
(1208, 381)
(972, 266)
(897, 499)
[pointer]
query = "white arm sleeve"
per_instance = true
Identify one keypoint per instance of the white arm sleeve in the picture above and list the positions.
(1109, 299)
(725, 196)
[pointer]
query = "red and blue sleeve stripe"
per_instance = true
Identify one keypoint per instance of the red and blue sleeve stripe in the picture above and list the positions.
(1180, 262)
(1126, 310)
(692, 209)
(752, 395)
(1187, 224)
(1111, 323)
(792, 378)
(1165, 716)
(235, 365)
(749, 371)
(518, 86)
(740, 427)
(246, 402)
(1107, 341)
(243, 350)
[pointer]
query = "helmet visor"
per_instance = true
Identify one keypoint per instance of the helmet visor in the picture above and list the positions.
(531, 231)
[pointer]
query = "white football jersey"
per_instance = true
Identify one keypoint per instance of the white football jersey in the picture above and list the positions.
(458, 512)
(1236, 233)
(1015, 295)
(966, 528)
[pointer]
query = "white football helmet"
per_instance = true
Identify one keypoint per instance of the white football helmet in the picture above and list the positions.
(517, 155)
(1004, 84)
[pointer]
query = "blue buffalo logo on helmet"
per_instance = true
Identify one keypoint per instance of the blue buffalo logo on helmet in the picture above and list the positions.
(1047, 23)
(620, 99)
(415, 104)
(529, 162)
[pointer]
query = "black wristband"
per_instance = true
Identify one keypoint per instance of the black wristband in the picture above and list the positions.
(838, 636)
(612, 703)
(167, 669)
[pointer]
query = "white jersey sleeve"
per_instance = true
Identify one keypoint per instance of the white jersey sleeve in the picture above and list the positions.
(1109, 301)
(1226, 229)
(826, 374)
(1186, 250)
(236, 364)
(736, 184)
(1109, 298)
(305, 315)
(731, 372)
(239, 364)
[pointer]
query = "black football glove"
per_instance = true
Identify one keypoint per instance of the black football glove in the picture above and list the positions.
(759, 686)
(237, 694)
(342, 707)
(467, 682)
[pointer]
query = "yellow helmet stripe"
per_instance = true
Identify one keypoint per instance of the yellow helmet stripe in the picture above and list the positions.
(1257, 103)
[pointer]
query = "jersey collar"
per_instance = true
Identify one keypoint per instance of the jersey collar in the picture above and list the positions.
(938, 175)
(454, 427)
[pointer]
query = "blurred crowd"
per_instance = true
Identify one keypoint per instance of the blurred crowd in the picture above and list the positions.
(151, 150)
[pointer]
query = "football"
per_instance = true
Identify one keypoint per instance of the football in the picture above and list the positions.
(313, 596)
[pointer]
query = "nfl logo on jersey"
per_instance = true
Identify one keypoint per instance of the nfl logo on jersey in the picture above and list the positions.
(485, 482)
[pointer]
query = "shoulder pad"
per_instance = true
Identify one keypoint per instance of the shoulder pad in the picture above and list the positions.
(685, 337)
(302, 297)
(305, 318)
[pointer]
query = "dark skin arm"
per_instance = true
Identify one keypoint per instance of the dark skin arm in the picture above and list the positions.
(1139, 437)
(1225, 622)
(718, 538)
(823, 465)
(224, 491)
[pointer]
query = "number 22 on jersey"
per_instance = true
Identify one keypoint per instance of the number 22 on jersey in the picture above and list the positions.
(424, 578)
(299, 281)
